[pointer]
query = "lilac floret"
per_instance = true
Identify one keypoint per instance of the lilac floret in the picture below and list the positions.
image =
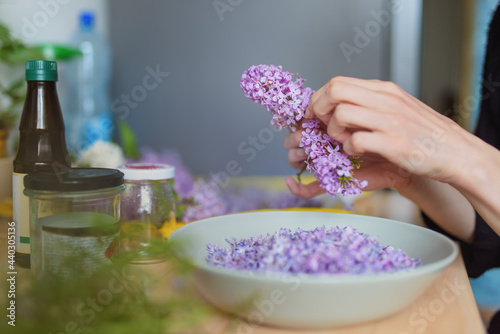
(286, 100)
(320, 251)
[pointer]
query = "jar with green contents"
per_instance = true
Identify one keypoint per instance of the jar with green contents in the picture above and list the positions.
(147, 209)
(74, 219)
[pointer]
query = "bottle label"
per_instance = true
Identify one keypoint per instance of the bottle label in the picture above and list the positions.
(21, 213)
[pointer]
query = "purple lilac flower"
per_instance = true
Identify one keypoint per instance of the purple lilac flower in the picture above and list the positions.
(287, 101)
(320, 251)
(207, 202)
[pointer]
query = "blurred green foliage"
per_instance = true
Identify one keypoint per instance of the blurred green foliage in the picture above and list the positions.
(14, 53)
(119, 298)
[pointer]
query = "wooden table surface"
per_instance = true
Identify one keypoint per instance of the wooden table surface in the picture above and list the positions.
(447, 306)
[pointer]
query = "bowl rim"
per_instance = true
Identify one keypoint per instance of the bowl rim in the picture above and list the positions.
(420, 270)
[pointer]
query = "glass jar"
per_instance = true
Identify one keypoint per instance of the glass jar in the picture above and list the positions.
(74, 219)
(147, 209)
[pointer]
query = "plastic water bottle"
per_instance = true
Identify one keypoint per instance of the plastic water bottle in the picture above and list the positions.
(88, 105)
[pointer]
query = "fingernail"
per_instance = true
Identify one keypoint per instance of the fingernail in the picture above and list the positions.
(308, 114)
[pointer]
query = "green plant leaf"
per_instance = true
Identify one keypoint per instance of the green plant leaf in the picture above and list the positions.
(4, 34)
(8, 44)
(10, 114)
(8, 119)
(16, 89)
(21, 55)
(57, 52)
(128, 140)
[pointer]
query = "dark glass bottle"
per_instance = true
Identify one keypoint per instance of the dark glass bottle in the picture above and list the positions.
(42, 146)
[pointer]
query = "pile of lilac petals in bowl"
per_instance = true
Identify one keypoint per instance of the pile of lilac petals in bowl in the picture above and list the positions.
(311, 270)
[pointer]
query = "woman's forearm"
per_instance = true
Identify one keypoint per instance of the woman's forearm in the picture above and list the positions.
(371, 117)
(445, 205)
(474, 186)
(479, 182)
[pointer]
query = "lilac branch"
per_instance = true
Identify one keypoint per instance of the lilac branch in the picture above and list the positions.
(287, 100)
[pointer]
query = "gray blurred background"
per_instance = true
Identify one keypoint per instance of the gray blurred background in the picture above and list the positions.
(199, 108)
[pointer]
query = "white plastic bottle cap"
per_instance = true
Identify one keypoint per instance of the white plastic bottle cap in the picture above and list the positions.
(147, 171)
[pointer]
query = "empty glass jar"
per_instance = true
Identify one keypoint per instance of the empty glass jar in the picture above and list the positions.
(147, 209)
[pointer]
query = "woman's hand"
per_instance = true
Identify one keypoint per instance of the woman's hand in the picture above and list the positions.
(406, 145)
(379, 172)
(376, 118)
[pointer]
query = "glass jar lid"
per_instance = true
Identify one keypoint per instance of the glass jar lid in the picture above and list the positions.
(74, 179)
(147, 171)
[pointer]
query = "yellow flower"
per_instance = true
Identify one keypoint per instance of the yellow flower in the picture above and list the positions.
(6, 207)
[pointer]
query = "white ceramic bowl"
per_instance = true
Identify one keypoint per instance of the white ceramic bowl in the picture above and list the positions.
(309, 301)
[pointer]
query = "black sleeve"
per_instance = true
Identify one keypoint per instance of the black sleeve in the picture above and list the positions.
(494, 324)
(484, 252)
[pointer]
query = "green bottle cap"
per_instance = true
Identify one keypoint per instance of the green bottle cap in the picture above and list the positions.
(41, 70)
